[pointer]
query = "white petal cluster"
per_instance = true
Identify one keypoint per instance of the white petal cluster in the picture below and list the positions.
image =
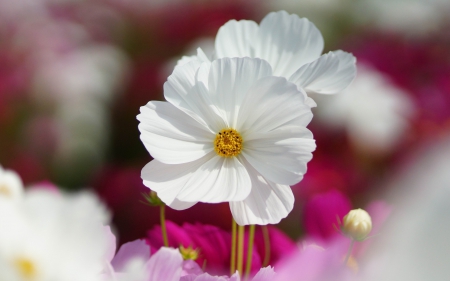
(269, 113)
(293, 47)
(50, 236)
(253, 90)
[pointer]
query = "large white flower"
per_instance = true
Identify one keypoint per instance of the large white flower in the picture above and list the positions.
(230, 132)
(49, 237)
(293, 47)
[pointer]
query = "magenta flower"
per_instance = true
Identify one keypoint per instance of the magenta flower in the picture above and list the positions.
(323, 212)
(214, 244)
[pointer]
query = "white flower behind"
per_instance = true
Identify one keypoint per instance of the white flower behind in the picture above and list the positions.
(374, 112)
(50, 236)
(293, 47)
(230, 132)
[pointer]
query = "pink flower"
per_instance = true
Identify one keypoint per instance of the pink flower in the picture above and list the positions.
(264, 274)
(314, 263)
(215, 244)
(323, 212)
(134, 263)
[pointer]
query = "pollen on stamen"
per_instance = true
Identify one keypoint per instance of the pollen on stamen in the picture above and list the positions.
(228, 143)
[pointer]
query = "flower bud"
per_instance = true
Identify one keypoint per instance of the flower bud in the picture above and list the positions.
(153, 199)
(357, 224)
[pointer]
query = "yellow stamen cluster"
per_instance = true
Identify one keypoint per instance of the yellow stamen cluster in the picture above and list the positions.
(228, 143)
(26, 268)
(189, 253)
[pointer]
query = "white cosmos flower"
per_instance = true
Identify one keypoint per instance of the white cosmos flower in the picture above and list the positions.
(293, 47)
(49, 237)
(230, 132)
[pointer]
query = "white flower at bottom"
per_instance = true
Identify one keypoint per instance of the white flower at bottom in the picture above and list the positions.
(49, 236)
(230, 132)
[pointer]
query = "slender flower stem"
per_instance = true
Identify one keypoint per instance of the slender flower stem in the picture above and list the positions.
(349, 252)
(233, 247)
(266, 237)
(240, 250)
(251, 238)
(162, 217)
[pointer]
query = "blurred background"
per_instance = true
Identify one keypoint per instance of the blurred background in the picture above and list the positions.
(73, 74)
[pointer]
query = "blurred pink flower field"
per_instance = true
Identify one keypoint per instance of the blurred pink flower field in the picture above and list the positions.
(74, 76)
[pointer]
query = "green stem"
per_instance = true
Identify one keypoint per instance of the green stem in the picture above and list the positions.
(162, 217)
(233, 247)
(349, 252)
(251, 238)
(240, 250)
(266, 237)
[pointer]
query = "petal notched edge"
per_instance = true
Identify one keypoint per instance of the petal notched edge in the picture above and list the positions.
(235, 39)
(287, 42)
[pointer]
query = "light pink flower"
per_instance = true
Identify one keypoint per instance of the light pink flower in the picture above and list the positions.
(264, 274)
(134, 263)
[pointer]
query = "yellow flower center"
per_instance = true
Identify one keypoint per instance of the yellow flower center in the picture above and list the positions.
(26, 268)
(4, 190)
(228, 143)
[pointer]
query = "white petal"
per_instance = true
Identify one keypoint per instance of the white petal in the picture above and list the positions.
(267, 203)
(220, 179)
(310, 102)
(229, 81)
(287, 42)
(171, 136)
(281, 155)
(271, 103)
(183, 91)
(167, 180)
(201, 56)
(235, 39)
(329, 74)
(181, 205)
(165, 265)
(211, 179)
